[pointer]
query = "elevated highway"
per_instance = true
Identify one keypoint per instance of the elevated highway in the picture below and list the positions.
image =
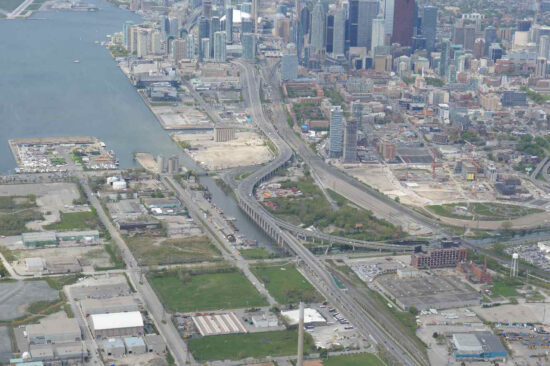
(378, 328)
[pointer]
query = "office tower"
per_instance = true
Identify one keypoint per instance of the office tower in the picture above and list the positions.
(444, 58)
(329, 35)
(203, 32)
(378, 35)
(229, 24)
(495, 52)
(429, 26)
(220, 46)
(246, 7)
(479, 48)
(403, 22)
(361, 15)
(418, 43)
(543, 49)
(357, 111)
(247, 26)
(126, 28)
(205, 49)
(336, 132)
(248, 42)
(304, 19)
(289, 67)
(317, 34)
(350, 141)
(540, 71)
(389, 6)
(490, 37)
(215, 26)
(155, 43)
(469, 37)
(190, 46)
(207, 8)
(173, 26)
(339, 34)
(179, 49)
(524, 25)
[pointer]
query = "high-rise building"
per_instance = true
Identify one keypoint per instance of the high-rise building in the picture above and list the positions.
(179, 49)
(317, 33)
(125, 31)
(361, 15)
(247, 26)
(357, 110)
(495, 52)
(229, 24)
(490, 37)
(389, 6)
(304, 20)
(132, 31)
(203, 32)
(143, 42)
(248, 42)
(541, 67)
(215, 26)
(339, 34)
(429, 26)
(350, 141)
(543, 49)
(207, 8)
(403, 22)
(220, 46)
(205, 49)
(289, 67)
(479, 48)
(336, 130)
(444, 58)
(173, 26)
(378, 35)
(190, 46)
(329, 29)
(156, 46)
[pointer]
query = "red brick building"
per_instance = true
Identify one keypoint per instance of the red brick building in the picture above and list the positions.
(439, 257)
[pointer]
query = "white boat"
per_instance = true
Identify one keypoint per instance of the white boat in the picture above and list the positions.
(76, 61)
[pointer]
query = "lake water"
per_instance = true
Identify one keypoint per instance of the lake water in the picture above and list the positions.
(44, 93)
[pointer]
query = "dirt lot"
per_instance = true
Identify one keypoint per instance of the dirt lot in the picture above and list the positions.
(50, 198)
(524, 313)
(248, 148)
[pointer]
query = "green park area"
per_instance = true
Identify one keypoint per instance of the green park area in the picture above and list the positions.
(85, 220)
(505, 287)
(240, 346)
(15, 212)
(212, 289)
(360, 359)
(313, 209)
(286, 284)
(161, 251)
(482, 211)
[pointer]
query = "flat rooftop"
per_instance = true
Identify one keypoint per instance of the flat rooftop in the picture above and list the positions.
(219, 324)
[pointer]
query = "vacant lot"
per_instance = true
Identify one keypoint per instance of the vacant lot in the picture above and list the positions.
(257, 345)
(286, 284)
(257, 253)
(363, 359)
(155, 251)
(76, 221)
(484, 211)
(505, 288)
(15, 212)
(184, 292)
(15, 294)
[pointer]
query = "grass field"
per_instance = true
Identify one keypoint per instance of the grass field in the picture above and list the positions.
(172, 251)
(257, 253)
(15, 212)
(362, 359)
(505, 288)
(286, 284)
(239, 346)
(483, 211)
(181, 292)
(86, 220)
